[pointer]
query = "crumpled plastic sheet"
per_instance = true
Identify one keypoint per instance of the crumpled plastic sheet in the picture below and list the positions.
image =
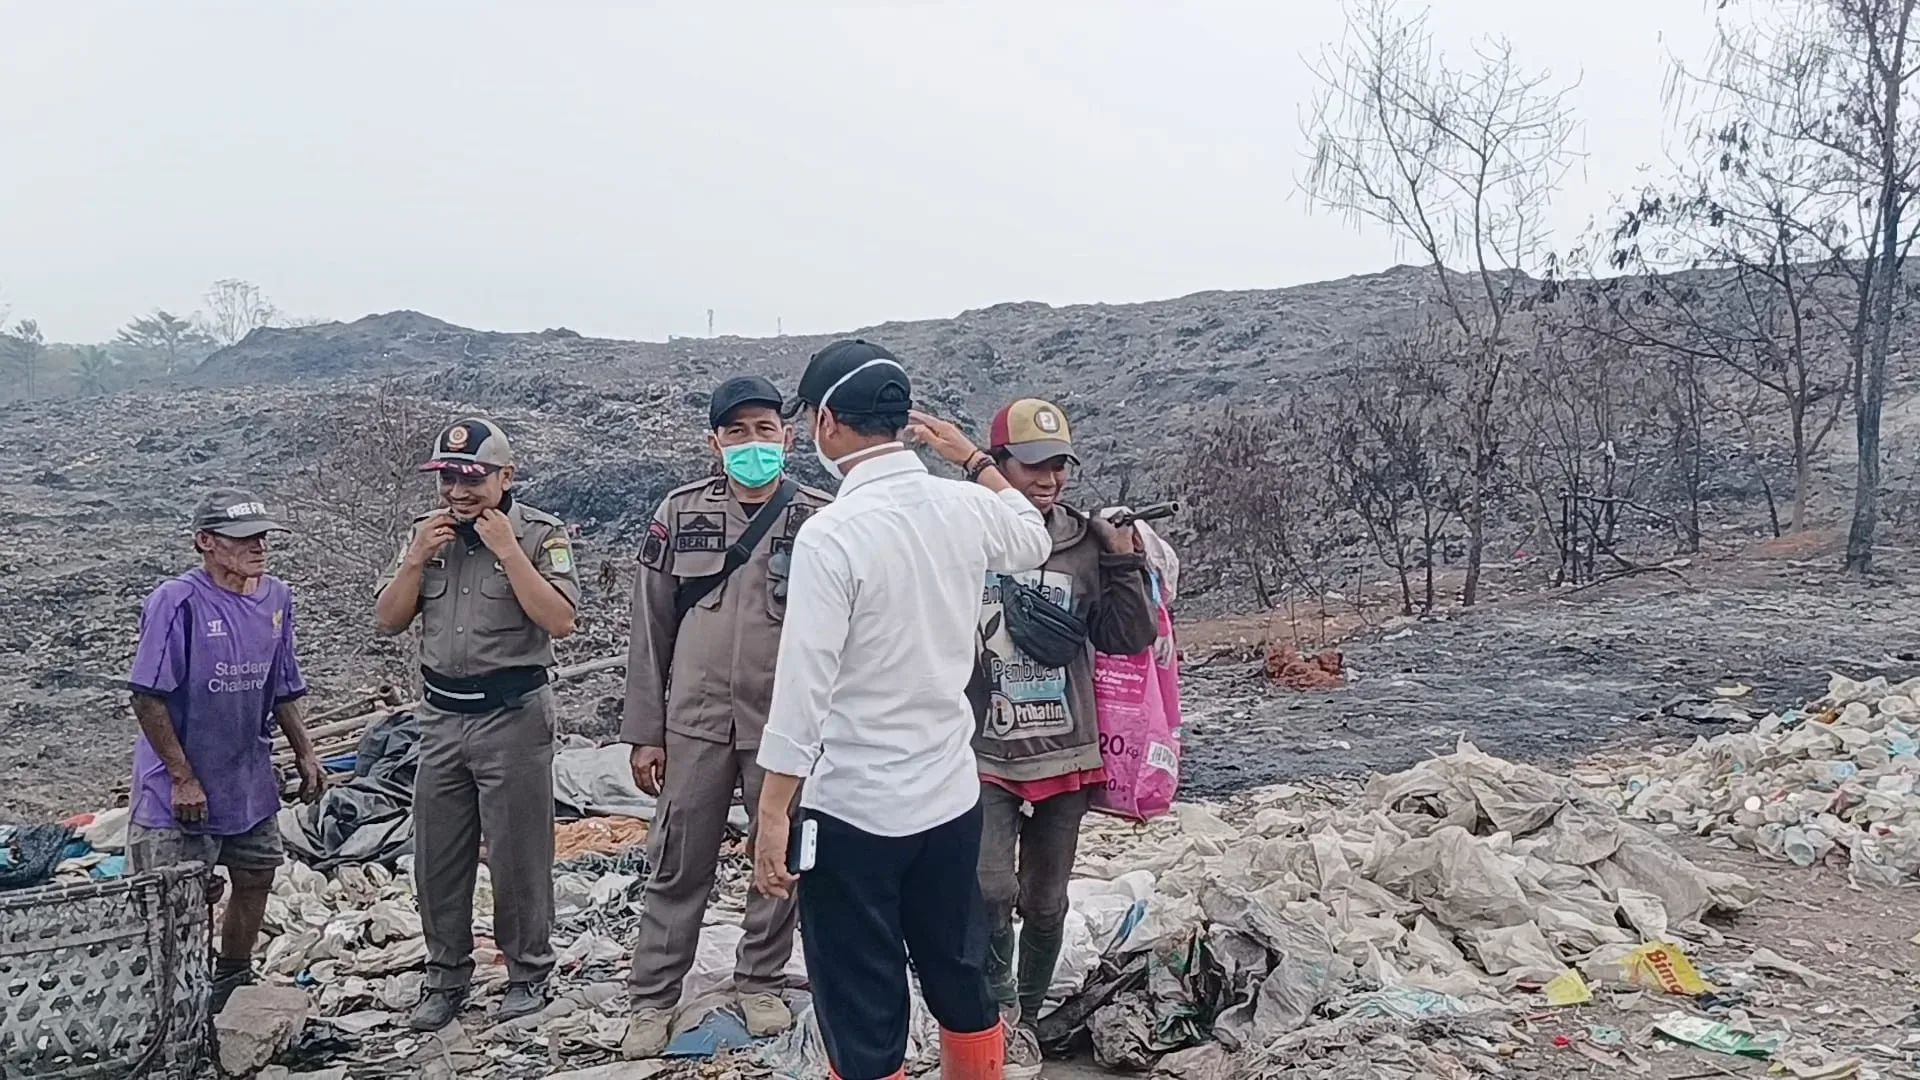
(598, 781)
(1258, 935)
(1424, 902)
(29, 854)
(1838, 779)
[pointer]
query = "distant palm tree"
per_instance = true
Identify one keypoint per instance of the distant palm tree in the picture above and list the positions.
(93, 370)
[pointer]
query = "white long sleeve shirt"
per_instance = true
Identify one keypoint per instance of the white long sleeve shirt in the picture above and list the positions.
(869, 689)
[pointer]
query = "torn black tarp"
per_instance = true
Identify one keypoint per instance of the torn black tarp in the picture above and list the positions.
(368, 819)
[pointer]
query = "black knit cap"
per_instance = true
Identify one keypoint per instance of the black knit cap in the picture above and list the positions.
(855, 378)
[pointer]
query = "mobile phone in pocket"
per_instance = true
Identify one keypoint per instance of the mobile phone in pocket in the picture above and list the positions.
(805, 847)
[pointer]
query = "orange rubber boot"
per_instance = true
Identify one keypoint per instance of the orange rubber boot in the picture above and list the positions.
(979, 1056)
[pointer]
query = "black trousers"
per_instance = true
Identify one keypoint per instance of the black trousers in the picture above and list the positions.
(868, 905)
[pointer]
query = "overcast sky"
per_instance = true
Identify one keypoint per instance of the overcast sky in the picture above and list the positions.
(620, 169)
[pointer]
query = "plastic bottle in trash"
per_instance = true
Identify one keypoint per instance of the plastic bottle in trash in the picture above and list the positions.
(1798, 846)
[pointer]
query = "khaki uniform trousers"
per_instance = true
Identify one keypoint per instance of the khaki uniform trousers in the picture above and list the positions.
(486, 774)
(684, 850)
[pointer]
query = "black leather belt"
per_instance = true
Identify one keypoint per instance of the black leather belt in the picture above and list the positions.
(481, 693)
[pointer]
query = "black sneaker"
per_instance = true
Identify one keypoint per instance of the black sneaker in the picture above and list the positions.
(437, 1009)
(223, 988)
(523, 999)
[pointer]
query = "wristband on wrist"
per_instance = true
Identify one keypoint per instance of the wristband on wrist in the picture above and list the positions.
(982, 461)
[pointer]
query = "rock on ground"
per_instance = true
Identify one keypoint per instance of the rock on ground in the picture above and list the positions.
(258, 1023)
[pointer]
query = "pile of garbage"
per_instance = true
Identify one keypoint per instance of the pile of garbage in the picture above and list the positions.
(87, 847)
(1411, 924)
(1447, 892)
(1839, 778)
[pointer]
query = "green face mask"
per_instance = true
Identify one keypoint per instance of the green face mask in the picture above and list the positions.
(755, 464)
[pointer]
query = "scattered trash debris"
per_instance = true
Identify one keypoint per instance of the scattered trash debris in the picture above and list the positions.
(1839, 778)
(1290, 668)
(1568, 988)
(1711, 1035)
(1665, 967)
(602, 836)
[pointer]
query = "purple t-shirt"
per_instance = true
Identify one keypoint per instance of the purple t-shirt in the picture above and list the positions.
(222, 661)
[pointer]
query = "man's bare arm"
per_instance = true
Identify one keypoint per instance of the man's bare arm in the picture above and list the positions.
(292, 717)
(156, 723)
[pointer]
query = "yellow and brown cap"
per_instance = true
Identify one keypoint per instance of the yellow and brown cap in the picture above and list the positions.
(1033, 432)
(470, 447)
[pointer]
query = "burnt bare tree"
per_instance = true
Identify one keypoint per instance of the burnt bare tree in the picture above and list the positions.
(1836, 80)
(1259, 487)
(1388, 450)
(235, 309)
(1459, 161)
(1736, 268)
(360, 495)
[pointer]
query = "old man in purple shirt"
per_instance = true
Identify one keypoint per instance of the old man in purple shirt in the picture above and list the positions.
(215, 668)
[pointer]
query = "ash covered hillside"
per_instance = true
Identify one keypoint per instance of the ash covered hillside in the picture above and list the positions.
(329, 421)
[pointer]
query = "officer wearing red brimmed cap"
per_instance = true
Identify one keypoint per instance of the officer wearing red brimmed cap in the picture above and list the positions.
(870, 708)
(492, 582)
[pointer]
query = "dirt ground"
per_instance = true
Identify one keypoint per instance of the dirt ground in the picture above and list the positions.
(1542, 676)
(1545, 677)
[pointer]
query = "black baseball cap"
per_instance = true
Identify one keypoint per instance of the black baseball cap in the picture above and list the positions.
(741, 390)
(855, 378)
(233, 513)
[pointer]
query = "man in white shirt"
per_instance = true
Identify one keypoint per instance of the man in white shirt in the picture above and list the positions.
(870, 709)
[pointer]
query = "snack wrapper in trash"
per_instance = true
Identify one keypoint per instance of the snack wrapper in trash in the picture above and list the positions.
(1708, 1035)
(1664, 966)
(1568, 988)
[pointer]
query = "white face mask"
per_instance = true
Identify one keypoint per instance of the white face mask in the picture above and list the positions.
(832, 465)
(836, 466)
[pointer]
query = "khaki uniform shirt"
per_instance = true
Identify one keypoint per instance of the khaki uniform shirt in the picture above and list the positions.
(471, 624)
(709, 676)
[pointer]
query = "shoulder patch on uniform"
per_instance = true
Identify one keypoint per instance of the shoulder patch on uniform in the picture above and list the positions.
(797, 515)
(653, 550)
(559, 554)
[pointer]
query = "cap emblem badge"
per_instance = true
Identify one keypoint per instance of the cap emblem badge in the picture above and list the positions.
(1046, 422)
(457, 437)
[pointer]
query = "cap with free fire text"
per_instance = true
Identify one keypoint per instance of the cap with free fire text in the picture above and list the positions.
(234, 513)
